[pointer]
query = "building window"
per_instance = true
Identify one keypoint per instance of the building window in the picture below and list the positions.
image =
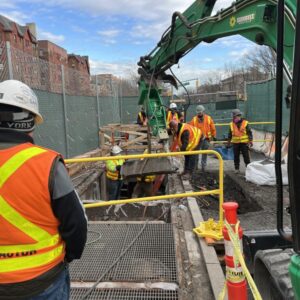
(15, 37)
(225, 105)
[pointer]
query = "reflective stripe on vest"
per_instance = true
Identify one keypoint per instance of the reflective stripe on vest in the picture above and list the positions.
(171, 117)
(239, 135)
(204, 126)
(25, 256)
(194, 136)
(114, 175)
(149, 178)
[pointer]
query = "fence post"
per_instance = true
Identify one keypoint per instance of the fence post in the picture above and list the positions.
(65, 109)
(98, 110)
(9, 61)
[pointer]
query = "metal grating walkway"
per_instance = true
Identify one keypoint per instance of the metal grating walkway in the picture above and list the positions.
(125, 294)
(151, 258)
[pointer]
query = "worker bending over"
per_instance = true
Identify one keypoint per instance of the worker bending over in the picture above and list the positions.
(240, 135)
(206, 124)
(173, 115)
(43, 226)
(142, 118)
(113, 174)
(189, 138)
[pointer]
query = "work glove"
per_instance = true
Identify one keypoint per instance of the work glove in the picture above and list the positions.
(250, 144)
(118, 167)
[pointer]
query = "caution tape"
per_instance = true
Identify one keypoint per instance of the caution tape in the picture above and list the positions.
(239, 261)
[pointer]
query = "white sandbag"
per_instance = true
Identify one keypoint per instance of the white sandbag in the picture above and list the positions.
(263, 173)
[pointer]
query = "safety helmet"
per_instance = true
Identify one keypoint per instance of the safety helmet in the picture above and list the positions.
(200, 109)
(18, 94)
(116, 150)
(236, 112)
(173, 106)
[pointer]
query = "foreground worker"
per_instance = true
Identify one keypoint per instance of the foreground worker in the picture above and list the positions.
(42, 222)
(173, 114)
(142, 118)
(240, 135)
(189, 138)
(113, 174)
(206, 124)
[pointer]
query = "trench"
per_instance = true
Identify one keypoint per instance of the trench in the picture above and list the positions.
(232, 192)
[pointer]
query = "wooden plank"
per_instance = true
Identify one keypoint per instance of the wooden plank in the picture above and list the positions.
(214, 269)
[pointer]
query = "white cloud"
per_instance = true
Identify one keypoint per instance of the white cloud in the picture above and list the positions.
(109, 33)
(16, 16)
(238, 54)
(121, 69)
(220, 4)
(7, 4)
(45, 35)
(78, 29)
(207, 60)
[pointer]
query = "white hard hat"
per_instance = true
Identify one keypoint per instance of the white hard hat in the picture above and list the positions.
(200, 109)
(18, 94)
(173, 105)
(116, 150)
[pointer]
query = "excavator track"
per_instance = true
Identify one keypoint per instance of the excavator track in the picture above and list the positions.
(271, 274)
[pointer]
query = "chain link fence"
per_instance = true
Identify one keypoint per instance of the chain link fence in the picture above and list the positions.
(73, 106)
(261, 105)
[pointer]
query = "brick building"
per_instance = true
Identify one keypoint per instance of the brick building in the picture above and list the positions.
(56, 56)
(106, 84)
(20, 37)
(78, 77)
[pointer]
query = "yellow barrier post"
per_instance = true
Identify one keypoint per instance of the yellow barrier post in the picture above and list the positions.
(208, 228)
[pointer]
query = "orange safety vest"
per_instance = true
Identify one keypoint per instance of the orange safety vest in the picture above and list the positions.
(239, 135)
(194, 136)
(30, 243)
(204, 126)
(171, 117)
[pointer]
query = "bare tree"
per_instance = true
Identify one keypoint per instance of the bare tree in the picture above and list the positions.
(262, 59)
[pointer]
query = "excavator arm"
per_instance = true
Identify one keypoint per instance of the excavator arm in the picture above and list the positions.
(255, 20)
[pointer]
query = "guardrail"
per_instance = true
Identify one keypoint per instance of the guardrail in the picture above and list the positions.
(250, 123)
(215, 228)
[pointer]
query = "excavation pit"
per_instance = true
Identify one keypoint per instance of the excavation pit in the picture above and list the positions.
(233, 191)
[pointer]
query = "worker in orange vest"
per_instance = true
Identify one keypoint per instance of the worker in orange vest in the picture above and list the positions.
(173, 115)
(189, 138)
(240, 135)
(207, 126)
(43, 226)
(142, 118)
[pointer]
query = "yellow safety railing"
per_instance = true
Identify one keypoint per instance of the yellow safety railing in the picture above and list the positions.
(254, 141)
(250, 123)
(209, 228)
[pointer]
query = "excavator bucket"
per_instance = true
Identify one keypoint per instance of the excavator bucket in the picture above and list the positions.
(150, 166)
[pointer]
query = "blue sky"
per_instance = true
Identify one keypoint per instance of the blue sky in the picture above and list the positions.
(115, 33)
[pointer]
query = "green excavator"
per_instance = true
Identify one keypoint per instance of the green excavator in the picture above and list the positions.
(273, 23)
